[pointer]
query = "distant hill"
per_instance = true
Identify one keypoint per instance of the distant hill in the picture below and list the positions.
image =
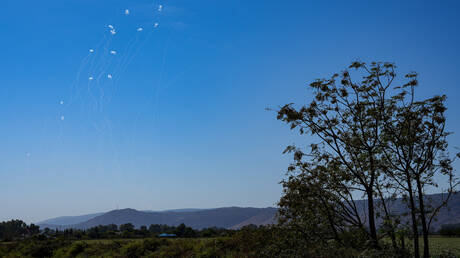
(264, 217)
(230, 217)
(69, 220)
(184, 210)
(447, 215)
(72, 220)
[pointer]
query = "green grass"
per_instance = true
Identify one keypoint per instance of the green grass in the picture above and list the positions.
(442, 245)
(439, 247)
(108, 241)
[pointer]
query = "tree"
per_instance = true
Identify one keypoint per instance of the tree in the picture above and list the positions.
(128, 227)
(144, 231)
(347, 116)
(317, 204)
(15, 229)
(33, 229)
(374, 140)
(416, 153)
(154, 228)
(184, 231)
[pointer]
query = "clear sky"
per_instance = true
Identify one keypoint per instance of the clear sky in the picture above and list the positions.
(182, 121)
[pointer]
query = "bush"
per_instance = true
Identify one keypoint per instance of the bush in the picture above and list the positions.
(153, 244)
(450, 230)
(132, 249)
(76, 248)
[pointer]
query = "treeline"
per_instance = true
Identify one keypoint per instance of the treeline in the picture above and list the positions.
(450, 230)
(18, 230)
(128, 230)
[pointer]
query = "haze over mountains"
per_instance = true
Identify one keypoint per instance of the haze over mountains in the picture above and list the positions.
(229, 217)
(73, 220)
(69, 220)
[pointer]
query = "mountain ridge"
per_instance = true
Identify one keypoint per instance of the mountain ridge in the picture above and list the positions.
(226, 217)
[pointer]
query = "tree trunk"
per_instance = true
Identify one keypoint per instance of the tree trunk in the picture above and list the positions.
(388, 218)
(414, 221)
(372, 228)
(403, 242)
(426, 247)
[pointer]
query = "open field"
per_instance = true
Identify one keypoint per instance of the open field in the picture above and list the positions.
(148, 247)
(439, 245)
(179, 247)
(443, 245)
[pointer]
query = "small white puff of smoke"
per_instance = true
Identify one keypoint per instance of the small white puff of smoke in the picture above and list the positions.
(113, 52)
(126, 12)
(109, 76)
(160, 8)
(91, 78)
(155, 25)
(140, 29)
(91, 50)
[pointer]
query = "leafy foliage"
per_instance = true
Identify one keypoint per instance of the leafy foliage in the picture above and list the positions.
(375, 141)
(16, 229)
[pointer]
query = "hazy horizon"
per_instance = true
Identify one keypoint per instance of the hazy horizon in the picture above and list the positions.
(175, 116)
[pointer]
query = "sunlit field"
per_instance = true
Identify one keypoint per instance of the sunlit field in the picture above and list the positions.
(177, 247)
(444, 245)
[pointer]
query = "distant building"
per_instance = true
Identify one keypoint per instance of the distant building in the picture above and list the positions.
(166, 235)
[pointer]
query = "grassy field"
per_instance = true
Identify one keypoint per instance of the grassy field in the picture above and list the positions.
(122, 240)
(206, 247)
(148, 247)
(440, 246)
(443, 245)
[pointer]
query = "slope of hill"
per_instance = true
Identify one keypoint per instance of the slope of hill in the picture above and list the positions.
(72, 220)
(221, 217)
(230, 217)
(69, 220)
(447, 215)
(264, 217)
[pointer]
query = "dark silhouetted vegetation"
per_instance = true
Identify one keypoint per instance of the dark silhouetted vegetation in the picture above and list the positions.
(19, 230)
(376, 141)
(450, 230)
(16, 229)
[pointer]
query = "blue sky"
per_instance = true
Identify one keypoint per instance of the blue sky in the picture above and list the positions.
(182, 123)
